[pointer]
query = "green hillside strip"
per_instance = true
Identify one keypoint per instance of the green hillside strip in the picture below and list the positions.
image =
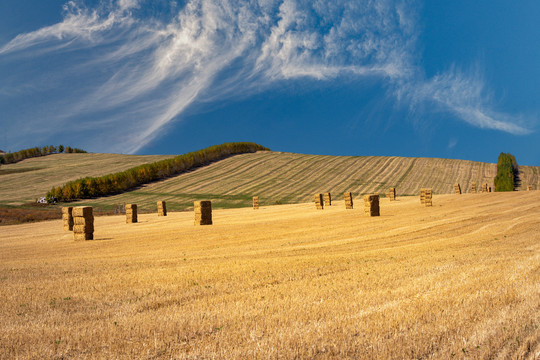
(91, 187)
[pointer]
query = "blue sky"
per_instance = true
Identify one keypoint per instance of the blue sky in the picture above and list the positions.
(453, 79)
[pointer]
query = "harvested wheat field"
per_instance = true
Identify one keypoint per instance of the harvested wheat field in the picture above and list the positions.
(460, 280)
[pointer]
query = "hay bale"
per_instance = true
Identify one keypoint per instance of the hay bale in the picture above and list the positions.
(131, 213)
(161, 208)
(457, 189)
(203, 212)
(67, 218)
(485, 188)
(391, 194)
(255, 203)
(83, 220)
(348, 200)
(422, 196)
(428, 195)
(319, 203)
(327, 199)
(371, 205)
(473, 187)
(529, 187)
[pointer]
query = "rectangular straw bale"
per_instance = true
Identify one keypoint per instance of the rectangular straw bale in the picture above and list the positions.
(473, 187)
(348, 200)
(484, 187)
(83, 236)
(371, 205)
(131, 213)
(319, 203)
(83, 211)
(255, 202)
(422, 196)
(529, 187)
(162, 208)
(67, 218)
(86, 228)
(327, 199)
(203, 212)
(82, 221)
(457, 188)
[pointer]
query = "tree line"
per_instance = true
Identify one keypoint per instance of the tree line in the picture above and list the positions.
(507, 173)
(91, 187)
(13, 157)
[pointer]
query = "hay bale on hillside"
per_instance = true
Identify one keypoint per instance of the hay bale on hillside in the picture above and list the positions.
(371, 205)
(319, 203)
(67, 218)
(203, 212)
(162, 208)
(391, 194)
(348, 200)
(83, 220)
(428, 195)
(473, 187)
(327, 199)
(457, 189)
(255, 203)
(131, 213)
(485, 188)
(529, 187)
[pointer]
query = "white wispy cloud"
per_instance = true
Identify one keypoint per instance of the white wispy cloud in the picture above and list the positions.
(135, 73)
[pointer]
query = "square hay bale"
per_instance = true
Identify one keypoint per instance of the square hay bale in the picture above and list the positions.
(428, 195)
(529, 187)
(348, 200)
(319, 204)
(83, 223)
(485, 188)
(371, 205)
(391, 194)
(457, 189)
(83, 211)
(161, 208)
(67, 218)
(203, 212)
(327, 199)
(131, 213)
(255, 203)
(473, 187)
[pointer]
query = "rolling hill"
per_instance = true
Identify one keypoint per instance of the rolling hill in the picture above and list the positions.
(277, 178)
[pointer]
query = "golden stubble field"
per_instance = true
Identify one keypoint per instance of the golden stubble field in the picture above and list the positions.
(459, 280)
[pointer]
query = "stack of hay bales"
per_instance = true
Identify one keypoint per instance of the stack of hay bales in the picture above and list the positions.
(327, 199)
(348, 200)
(131, 213)
(422, 196)
(83, 220)
(67, 218)
(485, 188)
(428, 195)
(203, 212)
(371, 205)
(529, 187)
(161, 208)
(391, 194)
(319, 204)
(255, 202)
(473, 187)
(457, 189)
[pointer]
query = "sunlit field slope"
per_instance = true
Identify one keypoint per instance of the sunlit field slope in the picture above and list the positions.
(281, 178)
(32, 178)
(460, 280)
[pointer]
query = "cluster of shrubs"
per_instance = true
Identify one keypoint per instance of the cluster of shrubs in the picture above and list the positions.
(507, 172)
(11, 158)
(90, 187)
